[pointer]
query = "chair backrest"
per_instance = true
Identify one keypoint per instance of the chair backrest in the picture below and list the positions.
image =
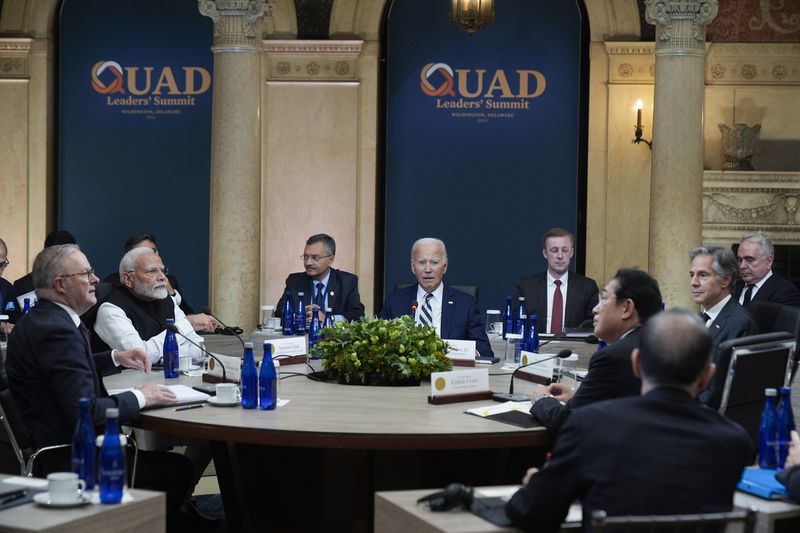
(472, 290)
(678, 523)
(756, 362)
(771, 317)
(15, 444)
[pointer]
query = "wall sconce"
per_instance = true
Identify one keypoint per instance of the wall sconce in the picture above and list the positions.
(471, 15)
(638, 129)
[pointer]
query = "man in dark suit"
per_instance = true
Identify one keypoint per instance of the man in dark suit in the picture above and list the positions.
(453, 313)
(658, 453)
(759, 283)
(6, 289)
(560, 299)
(626, 303)
(322, 286)
(50, 367)
(712, 271)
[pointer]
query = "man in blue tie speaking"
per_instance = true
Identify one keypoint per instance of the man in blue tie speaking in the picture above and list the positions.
(452, 313)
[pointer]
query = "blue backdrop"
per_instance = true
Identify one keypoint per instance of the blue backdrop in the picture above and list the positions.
(482, 138)
(134, 104)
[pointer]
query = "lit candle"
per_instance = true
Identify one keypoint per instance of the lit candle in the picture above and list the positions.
(639, 105)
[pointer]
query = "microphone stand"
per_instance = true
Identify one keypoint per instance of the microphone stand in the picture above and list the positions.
(173, 328)
(510, 396)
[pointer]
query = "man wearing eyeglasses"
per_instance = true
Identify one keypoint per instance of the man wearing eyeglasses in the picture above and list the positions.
(321, 285)
(134, 314)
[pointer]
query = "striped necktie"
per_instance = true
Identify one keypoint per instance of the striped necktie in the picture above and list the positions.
(426, 313)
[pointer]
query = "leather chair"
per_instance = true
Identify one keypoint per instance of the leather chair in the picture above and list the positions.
(677, 523)
(771, 317)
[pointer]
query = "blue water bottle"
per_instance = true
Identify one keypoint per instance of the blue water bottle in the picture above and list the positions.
(532, 343)
(112, 460)
(249, 378)
(83, 446)
(328, 318)
(313, 331)
(171, 357)
(521, 319)
(267, 381)
(785, 423)
(288, 314)
(300, 316)
(508, 318)
(767, 432)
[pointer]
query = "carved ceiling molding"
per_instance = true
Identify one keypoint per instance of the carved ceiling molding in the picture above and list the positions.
(631, 63)
(293, 60)
(14, 58)
(735, 203)
(753, 64)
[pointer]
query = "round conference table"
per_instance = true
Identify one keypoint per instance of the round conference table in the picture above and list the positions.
(315, 463)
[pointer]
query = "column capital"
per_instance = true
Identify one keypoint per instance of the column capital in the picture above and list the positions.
(237, 23)
(680, 24)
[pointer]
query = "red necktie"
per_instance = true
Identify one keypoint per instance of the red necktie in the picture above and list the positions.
(557, 316)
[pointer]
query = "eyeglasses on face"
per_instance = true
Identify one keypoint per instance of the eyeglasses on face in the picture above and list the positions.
(4, 264)
(315, 258)
(88, 273)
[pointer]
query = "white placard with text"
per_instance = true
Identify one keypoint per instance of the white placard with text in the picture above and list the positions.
(462, 350)
(459, 382)
(233, 367)
(542, 369)
(288, 346)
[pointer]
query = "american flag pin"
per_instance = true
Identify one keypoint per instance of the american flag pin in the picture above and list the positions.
(716, 326)
(450, 302)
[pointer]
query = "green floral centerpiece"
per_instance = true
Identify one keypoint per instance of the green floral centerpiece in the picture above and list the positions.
(381, 352)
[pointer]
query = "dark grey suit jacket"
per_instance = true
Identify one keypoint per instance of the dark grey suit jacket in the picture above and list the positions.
(345, 300)
(661, 453)
(581, 297)
(776, 289)
(50, 366)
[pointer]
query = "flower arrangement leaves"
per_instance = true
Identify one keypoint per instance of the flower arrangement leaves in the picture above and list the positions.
(377, 351)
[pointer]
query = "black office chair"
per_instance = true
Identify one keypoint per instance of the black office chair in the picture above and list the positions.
(771, 317)
(16, 444)
(472, 290)
(750, 365)
(677, 523)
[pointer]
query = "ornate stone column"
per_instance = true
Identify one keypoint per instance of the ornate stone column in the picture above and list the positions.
(236, 158)
(676, 193)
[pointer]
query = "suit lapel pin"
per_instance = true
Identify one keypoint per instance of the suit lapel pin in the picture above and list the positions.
(449, 302)
(716, 326)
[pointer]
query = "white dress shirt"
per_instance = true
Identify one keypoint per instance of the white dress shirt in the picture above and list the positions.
(715, 310)
(436, 306)
(756, 286)
(115, 329)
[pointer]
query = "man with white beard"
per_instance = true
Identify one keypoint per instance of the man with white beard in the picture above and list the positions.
(134, 315)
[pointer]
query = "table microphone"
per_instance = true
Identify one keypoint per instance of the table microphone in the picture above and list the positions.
(207, 310)
(173, 328)
(414, 308)
(511, 397)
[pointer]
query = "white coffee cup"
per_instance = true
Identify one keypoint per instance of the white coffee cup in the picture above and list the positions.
(65, 487)
(228, 392)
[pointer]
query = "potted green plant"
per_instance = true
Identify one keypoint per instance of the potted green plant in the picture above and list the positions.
(381, 352)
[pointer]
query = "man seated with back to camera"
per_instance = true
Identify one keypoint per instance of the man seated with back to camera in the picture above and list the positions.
(659, 453)
(452, 313)
(626, 303)
(50, 367)
(199, 321)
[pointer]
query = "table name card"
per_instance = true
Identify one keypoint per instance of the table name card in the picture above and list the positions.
(462, 353)
(540, 369)
(459, 386)
(233, 367)
(288, 346)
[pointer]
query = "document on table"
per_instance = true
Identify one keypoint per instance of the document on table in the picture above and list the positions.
(186, 395)
(514, 413)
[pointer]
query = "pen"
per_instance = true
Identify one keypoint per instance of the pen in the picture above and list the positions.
(186, 408)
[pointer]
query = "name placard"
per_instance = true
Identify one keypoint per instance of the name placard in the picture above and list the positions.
(460, 350)
(288, 346)
(539, 366)
(233, 367)
(459, 382)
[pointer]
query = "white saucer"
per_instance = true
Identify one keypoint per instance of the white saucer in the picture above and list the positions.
(43, 498)
(214, 401)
